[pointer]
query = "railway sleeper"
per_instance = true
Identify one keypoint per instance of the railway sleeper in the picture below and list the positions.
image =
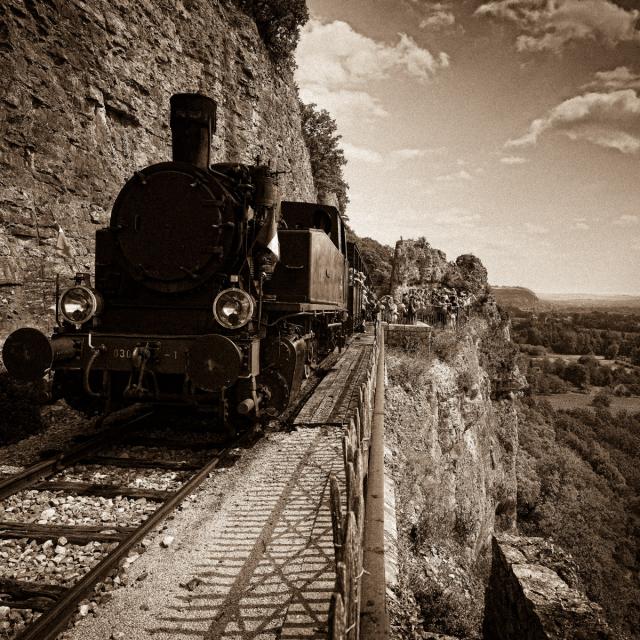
(73, 534)
(18, 594)
(102, 490)
(143, 463)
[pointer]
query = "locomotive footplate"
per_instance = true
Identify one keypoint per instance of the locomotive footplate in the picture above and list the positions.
(212, 362)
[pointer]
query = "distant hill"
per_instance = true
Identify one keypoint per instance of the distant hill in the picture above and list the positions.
(519, 297)
(590, 300)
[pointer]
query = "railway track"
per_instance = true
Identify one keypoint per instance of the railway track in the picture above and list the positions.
(117, 452)
(108, 465)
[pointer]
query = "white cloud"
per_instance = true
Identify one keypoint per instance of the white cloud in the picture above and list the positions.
(336, 63)
(458, 175)
(607, 119)
(334, 55)
(535, 229)
(581, 224)
(438, 16)
(410, 154)
(361, 154)
(353, 152)
(457, 217)
(618, 78)
(552, 24)
(344, 104)
(627, 221)
(513, 160)
(432, 15)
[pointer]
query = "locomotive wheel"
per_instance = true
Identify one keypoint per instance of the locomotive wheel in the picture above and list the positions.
(277, 390)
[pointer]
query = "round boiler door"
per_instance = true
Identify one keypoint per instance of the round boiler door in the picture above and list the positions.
(214, 363)
(174, 226)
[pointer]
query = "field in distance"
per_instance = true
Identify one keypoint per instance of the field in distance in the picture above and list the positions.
(587, 300)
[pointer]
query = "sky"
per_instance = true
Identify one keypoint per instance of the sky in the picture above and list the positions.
(509, 129)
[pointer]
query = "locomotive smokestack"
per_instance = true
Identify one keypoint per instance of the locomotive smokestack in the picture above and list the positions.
(193, 121)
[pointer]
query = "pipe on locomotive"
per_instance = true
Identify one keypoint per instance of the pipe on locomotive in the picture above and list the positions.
(193, 122)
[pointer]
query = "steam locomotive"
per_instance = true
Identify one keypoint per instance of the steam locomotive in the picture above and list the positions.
(209, 291)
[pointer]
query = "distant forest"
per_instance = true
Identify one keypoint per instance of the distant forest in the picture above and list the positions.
(609, 334)
(579, 484)
(578, 472)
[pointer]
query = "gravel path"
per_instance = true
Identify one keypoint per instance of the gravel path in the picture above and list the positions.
(252, 550)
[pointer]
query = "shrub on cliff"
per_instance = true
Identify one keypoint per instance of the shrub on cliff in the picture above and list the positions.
(320, 133)
(278, 23)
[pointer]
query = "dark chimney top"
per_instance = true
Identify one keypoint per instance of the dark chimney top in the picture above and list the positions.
(193, 121)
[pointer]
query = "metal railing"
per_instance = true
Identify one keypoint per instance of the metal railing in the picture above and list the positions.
(351, 538)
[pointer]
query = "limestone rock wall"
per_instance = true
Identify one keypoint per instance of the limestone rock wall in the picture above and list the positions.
(453, 458)
(84, 102)
(417, 264)
(533, 595)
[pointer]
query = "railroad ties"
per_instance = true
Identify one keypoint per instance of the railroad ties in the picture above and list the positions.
(57, 603)
(336, 400)
(278, 555)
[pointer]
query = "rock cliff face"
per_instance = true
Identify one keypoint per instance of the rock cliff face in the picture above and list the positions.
(533, 595)
(84, 94)
(453, 457)
(452, 432)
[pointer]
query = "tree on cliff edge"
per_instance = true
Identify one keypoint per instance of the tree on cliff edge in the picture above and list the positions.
(278, 23)
(319, 130)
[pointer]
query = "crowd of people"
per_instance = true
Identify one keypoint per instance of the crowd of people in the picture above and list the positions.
(444, 306)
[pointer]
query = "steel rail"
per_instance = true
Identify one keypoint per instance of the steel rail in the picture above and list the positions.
(33, 474)
(51, 623)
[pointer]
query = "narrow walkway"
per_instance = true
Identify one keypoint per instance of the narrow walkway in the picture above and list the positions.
(336, 398)
(253, 555)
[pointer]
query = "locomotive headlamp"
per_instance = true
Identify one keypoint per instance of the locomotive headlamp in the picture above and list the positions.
(79, 304)
(233, 308)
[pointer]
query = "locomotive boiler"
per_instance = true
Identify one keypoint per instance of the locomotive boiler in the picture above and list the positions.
(209, 292)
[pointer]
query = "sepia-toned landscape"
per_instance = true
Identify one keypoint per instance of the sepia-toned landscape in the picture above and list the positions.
(320, 319)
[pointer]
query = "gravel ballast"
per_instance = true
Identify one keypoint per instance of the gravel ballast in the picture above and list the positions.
(59, 508)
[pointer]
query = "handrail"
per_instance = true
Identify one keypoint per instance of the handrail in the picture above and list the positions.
(349, 528)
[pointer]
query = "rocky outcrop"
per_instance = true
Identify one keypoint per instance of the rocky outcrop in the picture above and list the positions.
(452, 428)
(84, 91)
(533, 594)
(417, 265)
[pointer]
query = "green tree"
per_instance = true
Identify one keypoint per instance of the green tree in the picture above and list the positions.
(577, 374)
(319, 130)
(278, 23)
(601, 399)
(612, 350)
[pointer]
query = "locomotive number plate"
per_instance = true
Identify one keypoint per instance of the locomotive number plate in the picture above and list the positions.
(168, 356)
(125, 353)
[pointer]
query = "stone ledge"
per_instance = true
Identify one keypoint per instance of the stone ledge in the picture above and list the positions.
(527, 599)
